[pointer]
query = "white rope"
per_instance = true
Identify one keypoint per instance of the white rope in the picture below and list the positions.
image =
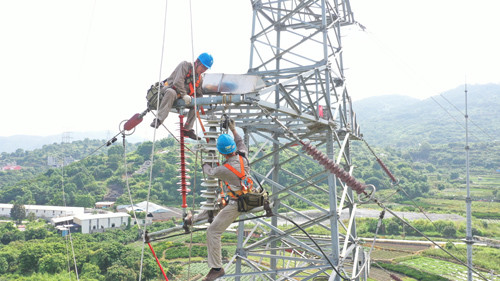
(69, 229)
(126, 181)
(195, 78)
(154, 141)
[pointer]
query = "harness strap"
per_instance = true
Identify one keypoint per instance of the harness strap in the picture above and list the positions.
(241, 175)
(189, 81)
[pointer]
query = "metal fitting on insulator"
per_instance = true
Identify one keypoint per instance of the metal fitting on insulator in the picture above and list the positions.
(224, 123)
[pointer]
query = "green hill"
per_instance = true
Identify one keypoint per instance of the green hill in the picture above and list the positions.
(406, 122)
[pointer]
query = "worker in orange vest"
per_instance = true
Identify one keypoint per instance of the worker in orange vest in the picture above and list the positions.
(235, 172)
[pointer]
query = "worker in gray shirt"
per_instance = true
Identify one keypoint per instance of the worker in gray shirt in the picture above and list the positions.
(180, 85)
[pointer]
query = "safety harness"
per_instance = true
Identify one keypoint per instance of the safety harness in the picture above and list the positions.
(152, 94)
(245, 182)
(247, 197)
(189, 81)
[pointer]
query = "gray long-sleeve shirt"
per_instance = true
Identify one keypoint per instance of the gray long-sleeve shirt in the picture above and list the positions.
(223, 173)
(178, 79)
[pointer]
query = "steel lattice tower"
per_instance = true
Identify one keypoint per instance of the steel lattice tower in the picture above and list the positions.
(294, 92)
(296, 50)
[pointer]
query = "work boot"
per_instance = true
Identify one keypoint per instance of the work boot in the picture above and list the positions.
(190, 134)
(214, 274)
(156, 123)
(188, 221)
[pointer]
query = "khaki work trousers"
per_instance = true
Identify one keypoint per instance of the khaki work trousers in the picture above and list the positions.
(221, 222)
(166, 103)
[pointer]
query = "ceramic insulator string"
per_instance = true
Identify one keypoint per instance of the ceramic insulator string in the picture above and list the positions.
(335, 169)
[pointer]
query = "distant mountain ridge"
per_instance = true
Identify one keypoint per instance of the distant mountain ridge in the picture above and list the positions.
(27, 142)
(403, 121)
(391, 120)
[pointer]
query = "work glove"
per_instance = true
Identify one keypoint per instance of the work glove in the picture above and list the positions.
(187, 99)
(231, 125)
(207, 166)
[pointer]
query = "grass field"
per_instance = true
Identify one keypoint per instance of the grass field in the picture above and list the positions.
(446, 269)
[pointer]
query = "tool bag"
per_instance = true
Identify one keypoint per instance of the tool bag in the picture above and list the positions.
(152, 95)
(251, 200)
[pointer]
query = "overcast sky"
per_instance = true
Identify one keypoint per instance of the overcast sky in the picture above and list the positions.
(74, 66)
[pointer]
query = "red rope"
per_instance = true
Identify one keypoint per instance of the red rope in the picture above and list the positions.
(157, 261)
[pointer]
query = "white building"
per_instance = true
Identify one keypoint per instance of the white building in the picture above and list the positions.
(97, 223)
(43, 212)
(155, 211)
(104, 204)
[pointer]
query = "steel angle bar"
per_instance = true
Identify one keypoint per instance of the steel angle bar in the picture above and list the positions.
(316, 274)
(273, 11)
(286, 247)
(301, 214)
(312, 78)
(252, 264)
(284, 51)
(278, 270)
(286, 235)
(335, 111)
(297, 102)
(165, 231)
(342, 148)
(312, 104)
(286, 146)
(280, 236)
(285, 196)
(219, 99)
(290, 258)
(308, 180)
(251, 233)
(353, 246)
(345, 194)
(289, 100)
(298, 43)
(287, 189)
(355, 261)
(297, 191)
(260, 149)
(342, 145)
(291, 80)
(351, 219)
(284, 73)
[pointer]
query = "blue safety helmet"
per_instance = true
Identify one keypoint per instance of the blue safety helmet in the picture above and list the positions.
(206, 59)
(226, 144)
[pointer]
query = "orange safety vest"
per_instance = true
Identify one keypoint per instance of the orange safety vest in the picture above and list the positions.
(246, 182)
